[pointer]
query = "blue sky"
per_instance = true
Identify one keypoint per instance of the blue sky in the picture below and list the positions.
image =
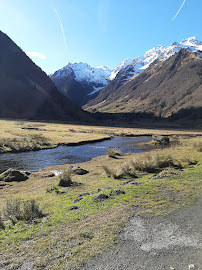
(97, 32)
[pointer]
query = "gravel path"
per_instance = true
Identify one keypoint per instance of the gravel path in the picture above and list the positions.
(157, 243)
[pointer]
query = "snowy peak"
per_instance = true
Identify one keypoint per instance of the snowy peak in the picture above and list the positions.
(160, 53)
(84, 72)
(120, 68)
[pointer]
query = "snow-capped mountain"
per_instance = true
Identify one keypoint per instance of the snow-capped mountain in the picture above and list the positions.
(98, 76)
(80, 82)
(160, 53)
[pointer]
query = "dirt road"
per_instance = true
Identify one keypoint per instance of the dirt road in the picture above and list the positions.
(157, 243)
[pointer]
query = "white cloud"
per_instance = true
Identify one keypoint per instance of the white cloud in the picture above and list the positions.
(36, 54)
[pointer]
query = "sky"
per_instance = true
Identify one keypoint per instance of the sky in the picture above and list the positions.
(98, 32)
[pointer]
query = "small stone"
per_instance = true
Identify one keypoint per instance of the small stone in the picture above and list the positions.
(117, 192)
(192, 266)
(73, 208)
(172, 268)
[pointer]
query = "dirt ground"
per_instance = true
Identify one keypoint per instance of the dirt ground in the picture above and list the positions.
(157, 243)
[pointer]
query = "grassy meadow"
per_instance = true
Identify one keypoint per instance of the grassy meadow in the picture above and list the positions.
(78, 224)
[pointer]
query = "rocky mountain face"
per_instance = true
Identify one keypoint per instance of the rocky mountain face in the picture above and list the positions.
(26, 92)
(82, 83)
(163, 89)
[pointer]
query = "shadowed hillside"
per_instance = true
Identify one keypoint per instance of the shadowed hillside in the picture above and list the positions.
(163, 89)
(26, 91)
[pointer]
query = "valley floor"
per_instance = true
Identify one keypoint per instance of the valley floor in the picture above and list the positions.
(157, 191)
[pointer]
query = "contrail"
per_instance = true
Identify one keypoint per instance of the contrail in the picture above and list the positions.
(61, 26)
(179, 10)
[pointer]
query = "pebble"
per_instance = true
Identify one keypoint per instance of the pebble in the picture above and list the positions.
(191, 267)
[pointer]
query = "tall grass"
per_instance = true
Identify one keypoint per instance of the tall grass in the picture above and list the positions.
(150, 164)
(31, 142)
(198, 146)
(16, 210)
(65, 179)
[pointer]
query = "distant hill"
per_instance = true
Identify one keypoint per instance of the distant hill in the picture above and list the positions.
(165, 88)
(26, 92)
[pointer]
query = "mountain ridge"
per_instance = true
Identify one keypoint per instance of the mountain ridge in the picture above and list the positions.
(163, 89)
(81, 83)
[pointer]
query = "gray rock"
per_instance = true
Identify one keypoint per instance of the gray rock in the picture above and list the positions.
(160, 139)
(78, 170)
(14, 175)
(101, 197)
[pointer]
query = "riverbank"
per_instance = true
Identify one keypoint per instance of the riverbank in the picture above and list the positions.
(66, 238)
(21, 136)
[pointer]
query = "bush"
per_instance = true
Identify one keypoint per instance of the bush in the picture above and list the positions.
(16, 210)
(65, 179)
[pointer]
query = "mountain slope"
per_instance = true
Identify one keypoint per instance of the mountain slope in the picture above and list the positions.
(26, 92)
(80, 82)
(163, 89)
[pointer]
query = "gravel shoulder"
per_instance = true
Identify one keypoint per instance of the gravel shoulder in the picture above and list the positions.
(157, 243)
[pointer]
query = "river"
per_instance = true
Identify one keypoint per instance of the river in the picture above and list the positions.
(36, 160)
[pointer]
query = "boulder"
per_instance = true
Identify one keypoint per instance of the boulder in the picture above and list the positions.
(160, 139)
(101, 197)
(14, 175)
(78, 170)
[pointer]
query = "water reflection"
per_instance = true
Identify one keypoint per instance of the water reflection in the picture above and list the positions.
(34, 161)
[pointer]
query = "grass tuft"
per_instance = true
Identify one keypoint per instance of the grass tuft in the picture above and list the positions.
(16, 210)
(65, 179)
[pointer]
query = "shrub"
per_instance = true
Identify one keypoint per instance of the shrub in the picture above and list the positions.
(65, 179)
(16, 210)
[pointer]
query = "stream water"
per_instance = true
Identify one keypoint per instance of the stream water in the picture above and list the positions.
(36, 160)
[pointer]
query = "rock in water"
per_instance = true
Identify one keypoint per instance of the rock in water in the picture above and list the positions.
(14, 175)
(160, 139)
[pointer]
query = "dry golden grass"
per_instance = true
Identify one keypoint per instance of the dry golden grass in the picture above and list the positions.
(65, 133)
